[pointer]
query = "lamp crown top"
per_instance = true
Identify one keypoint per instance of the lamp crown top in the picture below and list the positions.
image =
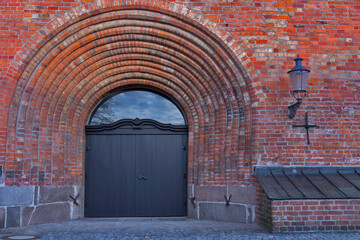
(298, 66)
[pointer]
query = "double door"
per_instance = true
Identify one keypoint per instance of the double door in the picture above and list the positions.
(135, 172)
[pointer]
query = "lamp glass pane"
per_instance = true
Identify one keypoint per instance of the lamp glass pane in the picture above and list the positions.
(299, 79)
(304, 79)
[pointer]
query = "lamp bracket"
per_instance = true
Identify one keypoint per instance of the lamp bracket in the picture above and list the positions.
(293, 108)
(299, 94)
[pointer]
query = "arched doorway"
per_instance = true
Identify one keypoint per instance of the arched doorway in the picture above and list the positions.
(76, 60)
(136, 157)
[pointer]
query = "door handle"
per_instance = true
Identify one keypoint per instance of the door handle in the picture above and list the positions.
(141, 177)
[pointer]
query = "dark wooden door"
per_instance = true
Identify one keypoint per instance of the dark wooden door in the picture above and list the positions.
(135, 168)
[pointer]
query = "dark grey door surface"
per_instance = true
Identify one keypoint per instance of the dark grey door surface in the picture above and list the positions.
(135, 168)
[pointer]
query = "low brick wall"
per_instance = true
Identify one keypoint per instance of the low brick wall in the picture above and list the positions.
(315, 215)
(307, 215)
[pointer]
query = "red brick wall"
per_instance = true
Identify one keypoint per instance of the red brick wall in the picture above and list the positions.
(266, 34)
(75, 61)
(315, 215)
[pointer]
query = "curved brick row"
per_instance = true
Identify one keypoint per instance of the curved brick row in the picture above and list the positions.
(88, 57)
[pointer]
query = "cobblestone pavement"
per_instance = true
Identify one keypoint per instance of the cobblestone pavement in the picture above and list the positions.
(154, 228)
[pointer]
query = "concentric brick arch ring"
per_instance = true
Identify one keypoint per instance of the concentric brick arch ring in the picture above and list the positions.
(93, 50)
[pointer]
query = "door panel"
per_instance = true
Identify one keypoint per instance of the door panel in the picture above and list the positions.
(159, 158)
(111, 175)
(135, 174)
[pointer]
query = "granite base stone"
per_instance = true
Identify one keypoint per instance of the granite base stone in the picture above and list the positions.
(2, 218)
(30, 205)
(45, 204)
(221, 212)
(50, 194)
(16, 196)
(26, 215)
(50, 213)
(210, 193)
(239, 194)
(210, 203)
(13, 217)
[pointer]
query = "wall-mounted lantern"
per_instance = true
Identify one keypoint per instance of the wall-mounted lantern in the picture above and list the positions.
(298, 76)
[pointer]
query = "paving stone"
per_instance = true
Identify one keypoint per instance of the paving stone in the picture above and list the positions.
(163, 228)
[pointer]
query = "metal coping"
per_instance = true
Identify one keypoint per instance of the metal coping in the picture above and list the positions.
(284, 183)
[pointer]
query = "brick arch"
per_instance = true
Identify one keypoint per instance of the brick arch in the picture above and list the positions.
(78, 58)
